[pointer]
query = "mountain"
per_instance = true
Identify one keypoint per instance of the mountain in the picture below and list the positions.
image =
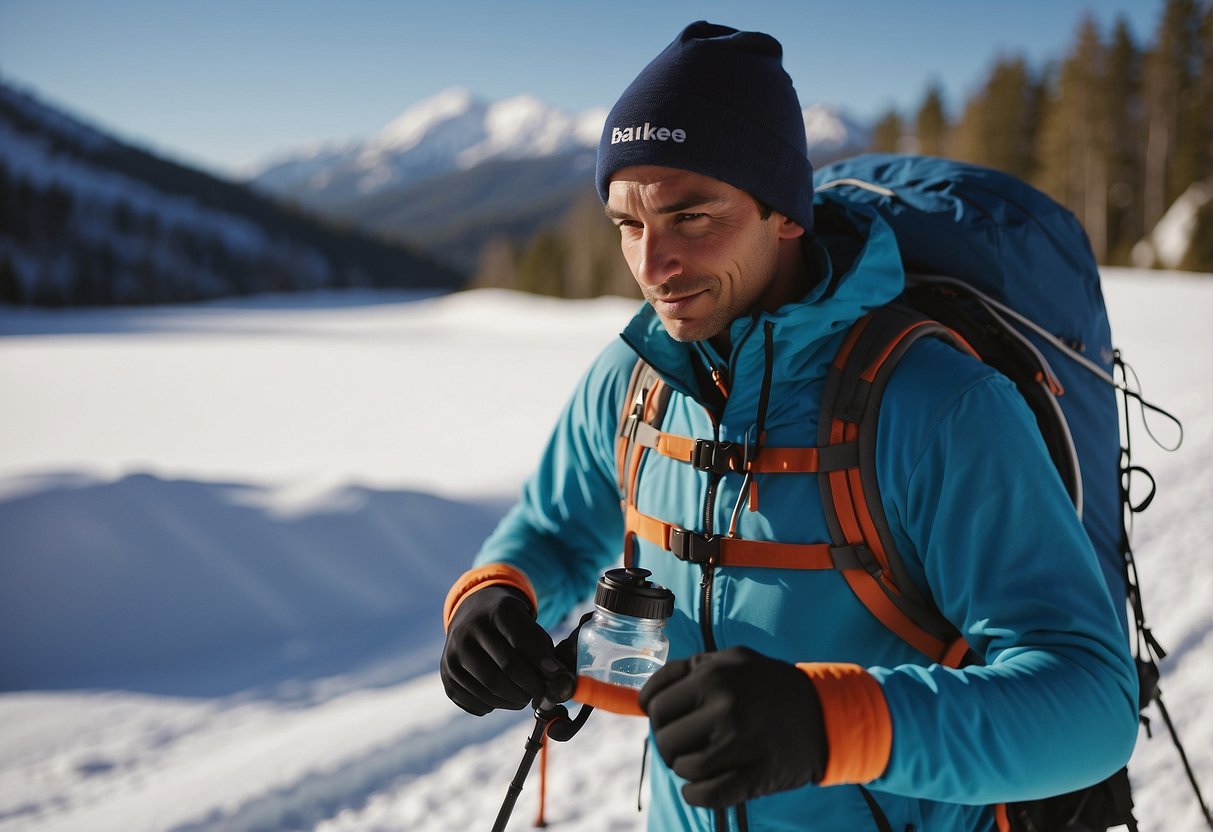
(833, 135)
(454, 171)
(449, 132)
(87, 219)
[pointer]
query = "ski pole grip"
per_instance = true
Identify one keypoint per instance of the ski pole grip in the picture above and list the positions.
(561, 684)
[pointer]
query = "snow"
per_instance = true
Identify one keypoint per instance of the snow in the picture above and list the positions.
(228, 529)
(1167, 244)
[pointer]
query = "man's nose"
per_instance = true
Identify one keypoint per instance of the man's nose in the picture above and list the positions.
(659, 259)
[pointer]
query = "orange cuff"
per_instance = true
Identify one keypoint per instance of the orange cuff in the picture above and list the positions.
(492, 574)
(858, 727)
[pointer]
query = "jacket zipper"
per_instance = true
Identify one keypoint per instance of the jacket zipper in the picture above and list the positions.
(721, 381)
(720, 816)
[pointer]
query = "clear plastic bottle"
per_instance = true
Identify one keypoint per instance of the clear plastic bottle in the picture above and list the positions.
(624, 642)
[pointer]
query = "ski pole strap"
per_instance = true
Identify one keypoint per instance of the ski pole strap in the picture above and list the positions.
(604, 696)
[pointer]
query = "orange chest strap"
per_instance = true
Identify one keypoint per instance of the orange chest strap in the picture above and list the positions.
(719, 550)
(736, 457)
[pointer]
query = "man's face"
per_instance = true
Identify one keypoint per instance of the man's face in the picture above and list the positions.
(699, 248)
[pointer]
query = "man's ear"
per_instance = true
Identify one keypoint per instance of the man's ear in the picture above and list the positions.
(789, 229)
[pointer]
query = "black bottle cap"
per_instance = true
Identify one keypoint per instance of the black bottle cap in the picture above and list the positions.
(629, 592)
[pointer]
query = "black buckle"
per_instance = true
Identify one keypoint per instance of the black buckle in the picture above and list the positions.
(694, 548)
(718, 457)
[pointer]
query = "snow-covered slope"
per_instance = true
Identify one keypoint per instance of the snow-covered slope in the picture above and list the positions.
(227, 529)
(91, 220)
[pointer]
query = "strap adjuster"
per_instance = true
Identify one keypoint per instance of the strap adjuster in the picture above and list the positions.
(694, 548)
(718, 457)
(867, 560)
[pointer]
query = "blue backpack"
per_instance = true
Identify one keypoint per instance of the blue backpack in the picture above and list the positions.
(999, 269)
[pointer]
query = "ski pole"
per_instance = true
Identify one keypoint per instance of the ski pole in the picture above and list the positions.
(551, 718)
(533, 744)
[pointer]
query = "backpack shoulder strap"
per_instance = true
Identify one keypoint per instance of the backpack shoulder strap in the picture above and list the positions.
(644, 407)
(850, 409)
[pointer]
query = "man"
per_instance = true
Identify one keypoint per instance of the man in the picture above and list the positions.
(783, 691)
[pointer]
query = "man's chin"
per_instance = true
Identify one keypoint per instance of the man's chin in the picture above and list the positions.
(687, 330)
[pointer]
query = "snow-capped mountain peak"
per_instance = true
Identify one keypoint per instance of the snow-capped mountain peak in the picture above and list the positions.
(524, 127)
(436, 113)
(451, 130)
(832, 134)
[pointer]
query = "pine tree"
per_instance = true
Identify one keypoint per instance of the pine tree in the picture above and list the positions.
(1197, 142)
(999, 125)
(1072, 150)
(1193, 151)
(887, 133)
(1170, 71)
(586, 232)
(931, 123)
(498, 267)
(542, 268)
(1126, 143)
(11, 288)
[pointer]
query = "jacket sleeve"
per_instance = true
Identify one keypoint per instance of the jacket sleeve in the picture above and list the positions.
(989, 525)
(567, 526)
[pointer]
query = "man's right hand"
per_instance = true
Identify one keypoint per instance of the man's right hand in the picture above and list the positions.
(496, 655)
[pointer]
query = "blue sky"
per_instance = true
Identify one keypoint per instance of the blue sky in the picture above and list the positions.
(226, 83)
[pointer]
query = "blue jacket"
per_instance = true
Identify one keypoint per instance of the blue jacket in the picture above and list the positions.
(978, 512)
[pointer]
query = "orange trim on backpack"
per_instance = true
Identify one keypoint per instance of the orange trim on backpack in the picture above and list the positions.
(858, 727)
(848, 344)
(492, 574)
(870, 373)
(954, 656)
(604, 696)
(621, 449)
(840, 486)
(1000, 817)
(868, 590)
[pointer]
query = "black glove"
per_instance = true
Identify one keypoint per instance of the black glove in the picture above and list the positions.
(496, 655)
(736, 725)
(566, 650)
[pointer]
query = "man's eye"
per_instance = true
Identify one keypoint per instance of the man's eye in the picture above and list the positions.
(622, 224)
(682, 218)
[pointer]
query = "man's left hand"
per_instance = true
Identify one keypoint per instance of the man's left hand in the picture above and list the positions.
(736, 725)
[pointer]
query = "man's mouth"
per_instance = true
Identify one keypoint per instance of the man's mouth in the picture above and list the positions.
(677, 302)
(678, 305)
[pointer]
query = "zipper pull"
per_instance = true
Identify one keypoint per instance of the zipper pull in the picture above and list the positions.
(718, 380)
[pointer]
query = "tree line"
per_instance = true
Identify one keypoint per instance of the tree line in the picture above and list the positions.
(1115, 130)
(65, 247)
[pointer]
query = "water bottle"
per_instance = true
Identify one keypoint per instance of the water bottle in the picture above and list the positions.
(624, 642)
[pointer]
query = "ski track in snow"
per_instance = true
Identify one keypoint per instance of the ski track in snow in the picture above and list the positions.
(275, 452)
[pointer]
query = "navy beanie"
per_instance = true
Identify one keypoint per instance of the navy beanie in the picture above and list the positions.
(718, 102)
